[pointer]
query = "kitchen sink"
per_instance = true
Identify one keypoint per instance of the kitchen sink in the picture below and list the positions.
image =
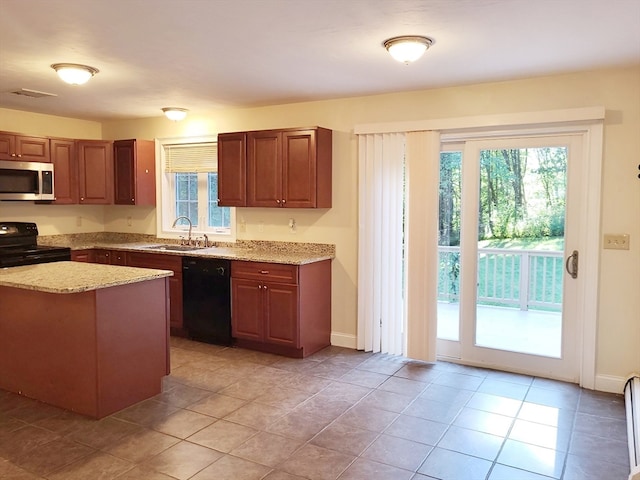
(174, 248)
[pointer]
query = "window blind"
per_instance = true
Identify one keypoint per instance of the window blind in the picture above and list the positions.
(191, 157)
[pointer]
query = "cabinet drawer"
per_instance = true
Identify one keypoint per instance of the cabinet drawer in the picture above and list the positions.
(271, 272)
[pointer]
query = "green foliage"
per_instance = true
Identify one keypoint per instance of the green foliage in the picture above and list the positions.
(522, 194)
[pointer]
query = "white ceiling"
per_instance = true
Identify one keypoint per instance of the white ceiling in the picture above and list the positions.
(206, 54)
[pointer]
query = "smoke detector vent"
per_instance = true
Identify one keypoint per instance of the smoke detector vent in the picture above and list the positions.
(27, 92)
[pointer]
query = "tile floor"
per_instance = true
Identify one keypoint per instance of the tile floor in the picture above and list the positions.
(233, 414)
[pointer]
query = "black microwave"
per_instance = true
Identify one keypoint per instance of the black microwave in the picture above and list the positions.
(26, 180)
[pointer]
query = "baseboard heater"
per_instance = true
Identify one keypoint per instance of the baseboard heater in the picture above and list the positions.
(632, 404)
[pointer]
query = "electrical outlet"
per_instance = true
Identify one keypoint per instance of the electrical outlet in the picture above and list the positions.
(616, 242)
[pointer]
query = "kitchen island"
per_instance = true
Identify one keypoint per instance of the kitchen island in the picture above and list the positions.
(89, 338)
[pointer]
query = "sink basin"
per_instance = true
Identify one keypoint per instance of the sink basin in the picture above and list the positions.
(174, 248)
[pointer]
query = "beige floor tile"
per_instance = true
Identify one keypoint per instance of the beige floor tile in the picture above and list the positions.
(232, 468)
(256, 415)
(146, 413)
(245, 389)
(144, 473)
(183, 423)
(181, 395)
(345, 438)
(283, 397)
(15, 444)
(267, 449)
(103, 433)
(52, 456)
(96, 466)
(223, 436)
(363, 469)
(217, 405)
(141, 446)
(317, 463)
(183, 460)
(10, 471)
(297, 425)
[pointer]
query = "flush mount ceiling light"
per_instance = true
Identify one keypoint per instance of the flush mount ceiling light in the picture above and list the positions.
(74, 73)
(408, 48)
(175, 114)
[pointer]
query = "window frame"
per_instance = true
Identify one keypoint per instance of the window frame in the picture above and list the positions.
(166, 195)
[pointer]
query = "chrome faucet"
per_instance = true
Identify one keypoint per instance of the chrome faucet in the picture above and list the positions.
(190, 226)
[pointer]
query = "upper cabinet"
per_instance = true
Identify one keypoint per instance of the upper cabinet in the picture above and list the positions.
(288, 168)
(232, 169)
(134, 172)
(65, 168)
(95, 171)
(23, 148)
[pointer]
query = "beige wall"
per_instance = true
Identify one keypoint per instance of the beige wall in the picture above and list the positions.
(618, 90)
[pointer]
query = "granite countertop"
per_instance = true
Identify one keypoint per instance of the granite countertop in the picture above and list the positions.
(75, 277)
(289, 253)
(229, 253)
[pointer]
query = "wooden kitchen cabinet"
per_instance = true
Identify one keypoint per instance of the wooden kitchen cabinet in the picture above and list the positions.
(65, 177)
(232, 169)
(24, 148)
(165, 262)
(288, 168)
(95, 171)
(134, 172)
(284, 309)
(86, 256)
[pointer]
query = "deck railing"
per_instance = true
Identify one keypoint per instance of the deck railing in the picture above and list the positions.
(507, 277)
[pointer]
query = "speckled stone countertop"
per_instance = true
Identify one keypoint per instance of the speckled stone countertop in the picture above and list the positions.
(289, 253)
(75, 277)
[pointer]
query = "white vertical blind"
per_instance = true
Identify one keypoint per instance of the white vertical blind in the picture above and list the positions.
(423, 180)
(380, 296)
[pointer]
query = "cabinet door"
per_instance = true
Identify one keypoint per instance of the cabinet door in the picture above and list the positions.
(232, 169)
(264, 169)
(118, 258)
(175, 299)
(32, 149)
(134, 172)
(65, 176)
(7, 146)
(102, 256)
(124, 172)
(95, 172)
(299, 168)
(281, 314)
(246, 309)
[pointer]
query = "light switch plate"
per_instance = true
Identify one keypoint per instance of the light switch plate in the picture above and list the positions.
(616, 242)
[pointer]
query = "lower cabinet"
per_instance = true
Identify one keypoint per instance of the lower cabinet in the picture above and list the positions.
(165, 262)
(284, 309)
(144, 260)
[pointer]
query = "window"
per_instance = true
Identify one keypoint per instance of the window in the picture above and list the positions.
(189, 188)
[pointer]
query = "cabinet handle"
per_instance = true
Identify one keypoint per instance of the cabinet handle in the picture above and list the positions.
(264, 272)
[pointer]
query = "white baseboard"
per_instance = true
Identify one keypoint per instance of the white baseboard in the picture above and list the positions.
(610, 383)
(343, 340)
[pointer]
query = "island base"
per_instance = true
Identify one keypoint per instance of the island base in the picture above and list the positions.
(93, 352)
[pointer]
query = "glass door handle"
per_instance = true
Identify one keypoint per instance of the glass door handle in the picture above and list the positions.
(571, 264)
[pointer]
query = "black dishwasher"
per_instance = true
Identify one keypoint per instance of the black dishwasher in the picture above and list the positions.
(206, 296)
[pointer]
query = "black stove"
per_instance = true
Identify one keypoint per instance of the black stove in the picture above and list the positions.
(19, 246)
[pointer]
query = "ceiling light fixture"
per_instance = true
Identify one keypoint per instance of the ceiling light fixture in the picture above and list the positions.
(74, 73)
(408, 48)
(175, 114)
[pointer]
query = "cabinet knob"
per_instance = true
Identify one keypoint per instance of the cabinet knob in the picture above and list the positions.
(19, 156)
(260, 287)
(133, 199)
(82, 199)
(13, 154)
(278, 202)
(284, 201)
(265, 287)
